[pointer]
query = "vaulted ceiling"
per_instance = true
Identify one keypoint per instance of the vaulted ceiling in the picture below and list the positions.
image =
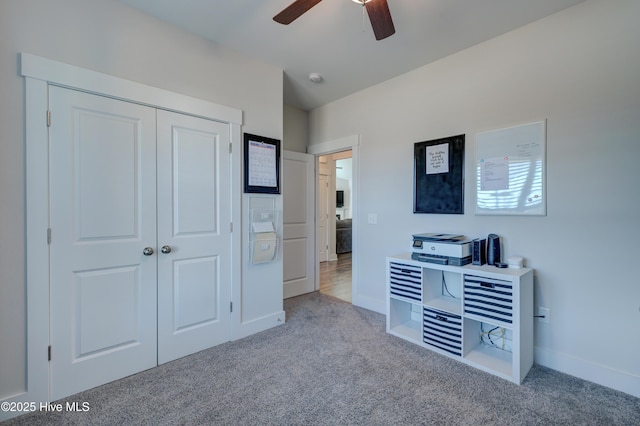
(335, 39)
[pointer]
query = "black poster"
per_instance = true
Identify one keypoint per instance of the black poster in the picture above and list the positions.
(439, 176)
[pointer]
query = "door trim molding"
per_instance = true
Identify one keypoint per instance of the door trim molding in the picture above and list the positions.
(83, 79)
(39, 73)
(349, 142)
(352, 143)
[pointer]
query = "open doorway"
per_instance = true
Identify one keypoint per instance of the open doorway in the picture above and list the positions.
(335, 177)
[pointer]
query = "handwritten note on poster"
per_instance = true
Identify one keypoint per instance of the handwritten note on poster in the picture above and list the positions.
(438, 159)
(262, 164)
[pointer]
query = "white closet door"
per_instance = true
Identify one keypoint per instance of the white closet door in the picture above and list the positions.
(194, 236)
(103, 215)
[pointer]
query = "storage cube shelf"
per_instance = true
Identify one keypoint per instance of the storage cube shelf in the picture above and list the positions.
(480, 315)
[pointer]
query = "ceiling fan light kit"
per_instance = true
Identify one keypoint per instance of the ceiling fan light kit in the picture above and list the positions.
(378, 11)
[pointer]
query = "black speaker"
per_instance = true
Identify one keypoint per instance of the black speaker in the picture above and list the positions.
(479, 251)
(493, 249)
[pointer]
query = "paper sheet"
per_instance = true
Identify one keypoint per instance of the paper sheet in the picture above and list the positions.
(494, 173)
(262, 164)
(437, 159)
(263, 226)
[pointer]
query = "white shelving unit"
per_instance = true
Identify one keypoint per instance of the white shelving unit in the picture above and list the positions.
(479, 315)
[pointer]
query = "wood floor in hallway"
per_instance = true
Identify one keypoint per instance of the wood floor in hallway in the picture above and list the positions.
(335, 277)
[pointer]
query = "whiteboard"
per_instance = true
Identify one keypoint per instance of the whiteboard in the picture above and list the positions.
(510, 170)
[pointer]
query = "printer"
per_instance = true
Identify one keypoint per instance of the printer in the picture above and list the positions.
(444, 249)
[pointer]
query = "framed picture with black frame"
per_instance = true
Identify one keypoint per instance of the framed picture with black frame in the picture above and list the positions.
(261, 164)
(439, 176)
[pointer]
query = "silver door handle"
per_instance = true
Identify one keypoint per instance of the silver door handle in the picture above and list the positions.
(148, 251)
(166, 249)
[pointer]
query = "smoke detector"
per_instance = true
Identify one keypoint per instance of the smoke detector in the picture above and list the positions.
(314, 77)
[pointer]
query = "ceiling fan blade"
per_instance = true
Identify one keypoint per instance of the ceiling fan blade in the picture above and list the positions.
(294, 11)
(380, 18)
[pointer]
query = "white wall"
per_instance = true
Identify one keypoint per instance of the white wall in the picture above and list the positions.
(109, 37)
(580, 70)
(296, 129)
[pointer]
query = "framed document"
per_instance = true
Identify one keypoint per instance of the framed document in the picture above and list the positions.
(261, 164)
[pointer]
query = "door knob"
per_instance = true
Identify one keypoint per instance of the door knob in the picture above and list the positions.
(166, 249)
(148, 251)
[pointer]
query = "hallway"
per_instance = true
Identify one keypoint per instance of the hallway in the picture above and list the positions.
(335, 277)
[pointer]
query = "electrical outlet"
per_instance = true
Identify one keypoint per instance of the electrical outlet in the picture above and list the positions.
(544, 315)
(372, 218)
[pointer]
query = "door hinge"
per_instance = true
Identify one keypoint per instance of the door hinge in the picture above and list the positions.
(230, 306)
(230, 147)
(48, 235)
(49, 353)
(231, 227)
(48, 118)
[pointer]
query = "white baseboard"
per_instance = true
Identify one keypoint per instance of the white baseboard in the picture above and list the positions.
(587, 370)
(259, 324)
(369, 303)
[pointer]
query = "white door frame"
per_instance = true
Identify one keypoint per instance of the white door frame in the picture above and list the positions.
(344, 144)
(322, 215)
(39, 73)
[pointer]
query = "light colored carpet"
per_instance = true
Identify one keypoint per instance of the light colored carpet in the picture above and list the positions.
(333, 364)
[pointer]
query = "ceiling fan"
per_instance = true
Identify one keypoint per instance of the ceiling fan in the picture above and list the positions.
(378, 11)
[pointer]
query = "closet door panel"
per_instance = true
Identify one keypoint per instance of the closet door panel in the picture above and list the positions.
(194, 207)
(102, 216)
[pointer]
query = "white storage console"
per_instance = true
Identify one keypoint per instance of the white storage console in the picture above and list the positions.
(480, 315)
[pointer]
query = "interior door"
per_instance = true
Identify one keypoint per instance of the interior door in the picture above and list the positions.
(194, 235)
(102, 217)
(298, 224)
